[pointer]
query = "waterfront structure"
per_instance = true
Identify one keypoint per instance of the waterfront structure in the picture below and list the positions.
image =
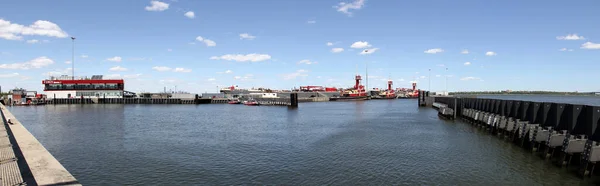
(24, 161)
(95, 87)
(264, 95)
(567, 134)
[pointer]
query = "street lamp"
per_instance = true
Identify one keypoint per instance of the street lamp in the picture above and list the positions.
(73, 59)
(429, 89)
(447, 82)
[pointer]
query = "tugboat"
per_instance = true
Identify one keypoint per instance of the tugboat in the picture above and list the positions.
(235, 102)
(356, 93)
(251, 103)
(389, 93)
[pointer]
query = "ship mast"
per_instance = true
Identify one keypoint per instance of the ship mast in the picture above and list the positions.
(367, 74)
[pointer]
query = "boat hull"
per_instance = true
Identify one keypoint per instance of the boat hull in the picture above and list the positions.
(361, 98)
(383, 98)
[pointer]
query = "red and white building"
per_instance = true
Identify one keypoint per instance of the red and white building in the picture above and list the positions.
(66, 87)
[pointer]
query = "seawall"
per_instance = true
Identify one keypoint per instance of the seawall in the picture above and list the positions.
(25, 160)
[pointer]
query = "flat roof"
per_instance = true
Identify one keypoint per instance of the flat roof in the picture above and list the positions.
(95, 81)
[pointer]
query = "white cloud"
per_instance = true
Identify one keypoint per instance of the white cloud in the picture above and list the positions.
(58, 72)
(237, 77)
(226, 72)
(423, 77)
(490, 53)
(12, 31)
(570, 37)
(345, 8)
(211, 79)
(190, 15)
(9, 75)
(438, 75)
(169, 50)
(208, 42)
(470, 78)
(434, 51)
(247, 36)
(440, 65)
(329, 44)
(590, 45)
(306, 61)
(35, 63)
(161, 68)
(243, 58)
(157, 6)
(118, 68)
(360, 44)
(465, 51)
(68, 62)
(84, 56)
(115, 59)
(298, 73)
(368, 51)
(565, 49)
(467, 63)
(33, 41)
(182, 70)
(311, 22)
(112, 76)
(400, 79)
(132, 76)
(191, 43)
(337, 50)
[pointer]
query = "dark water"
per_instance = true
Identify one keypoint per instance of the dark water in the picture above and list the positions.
(379, 142)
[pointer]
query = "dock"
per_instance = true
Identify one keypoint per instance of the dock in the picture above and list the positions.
(565, 134)
(24, 160)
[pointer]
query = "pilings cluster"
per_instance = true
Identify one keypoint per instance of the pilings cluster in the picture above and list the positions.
(566, 134)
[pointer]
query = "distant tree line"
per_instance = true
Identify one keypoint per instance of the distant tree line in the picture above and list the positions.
(524, 92)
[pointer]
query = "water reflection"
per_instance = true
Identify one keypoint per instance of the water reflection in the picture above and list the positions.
(378, 142)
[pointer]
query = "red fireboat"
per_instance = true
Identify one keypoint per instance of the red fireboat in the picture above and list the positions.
(389, 93)
(355, 93)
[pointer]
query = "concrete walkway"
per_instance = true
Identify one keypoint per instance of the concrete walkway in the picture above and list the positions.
(23, 159)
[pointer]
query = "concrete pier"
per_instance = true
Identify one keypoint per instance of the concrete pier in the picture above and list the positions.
(23, 159)
(567, 134)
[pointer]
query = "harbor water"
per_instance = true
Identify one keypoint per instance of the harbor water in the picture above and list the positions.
(377, 142)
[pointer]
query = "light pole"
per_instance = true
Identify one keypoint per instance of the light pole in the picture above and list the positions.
(73, 59)
(429, 89)
(367, 74)
(447, 82)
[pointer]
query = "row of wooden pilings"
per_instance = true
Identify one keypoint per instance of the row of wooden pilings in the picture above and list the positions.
(565, 134)
(292, 101)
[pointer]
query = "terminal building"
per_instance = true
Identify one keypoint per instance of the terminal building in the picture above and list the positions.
(94, 87)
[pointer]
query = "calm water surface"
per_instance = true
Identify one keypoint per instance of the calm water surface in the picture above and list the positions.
(379, 142)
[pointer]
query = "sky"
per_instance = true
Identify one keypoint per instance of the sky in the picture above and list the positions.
(200, 46)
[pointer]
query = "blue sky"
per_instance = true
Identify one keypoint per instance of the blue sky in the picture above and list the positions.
(511, 44)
